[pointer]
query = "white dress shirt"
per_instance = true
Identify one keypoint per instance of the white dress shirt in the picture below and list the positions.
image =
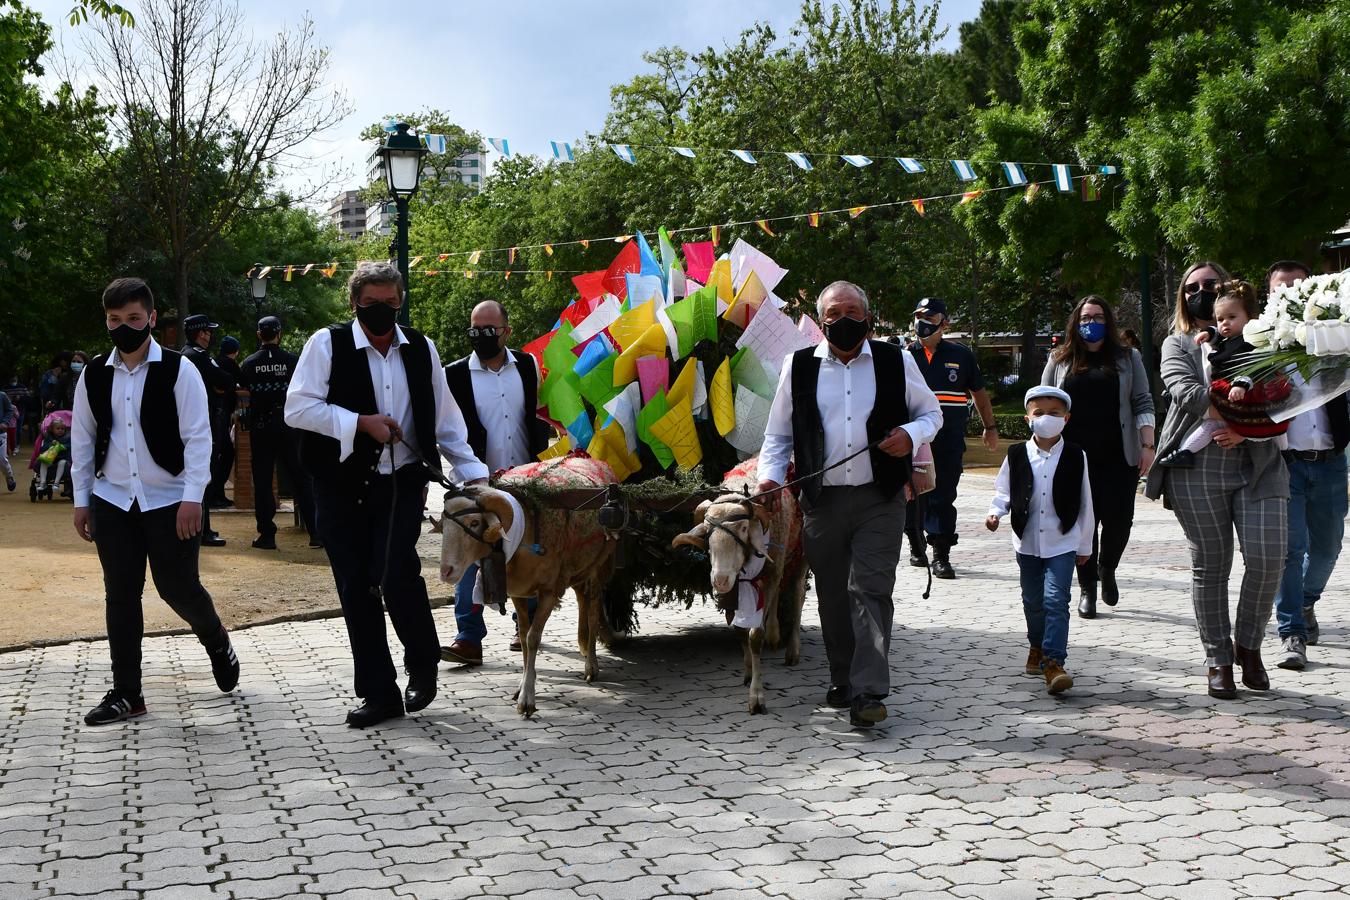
(499, 399)
(130, 474)
(1310, 430)
(1043, 536)
(307, 405)
(845, 395)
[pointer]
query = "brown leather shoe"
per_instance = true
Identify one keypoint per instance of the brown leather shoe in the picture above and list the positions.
(463, 653)
(1057, 681)
(1034, 662)
(1221, 682)
(1253, 670)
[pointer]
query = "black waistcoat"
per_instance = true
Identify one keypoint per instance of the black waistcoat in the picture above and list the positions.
(1339, 416)
(1066, 489)
(889, 410)
(350, 387)
(460, 378)
(158, 413)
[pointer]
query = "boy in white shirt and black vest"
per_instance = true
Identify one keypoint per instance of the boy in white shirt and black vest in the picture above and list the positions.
(1044, 484)
(375, 417)
(141, 460)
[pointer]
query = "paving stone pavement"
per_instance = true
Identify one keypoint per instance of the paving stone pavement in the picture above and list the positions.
(654, 781)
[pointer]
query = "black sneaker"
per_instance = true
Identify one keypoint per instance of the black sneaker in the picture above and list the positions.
(9, 482)
(264, 542)
(115, 708)
(224, 664)
(1310, 620)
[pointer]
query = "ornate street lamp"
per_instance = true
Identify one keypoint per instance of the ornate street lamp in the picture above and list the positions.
(402, 154)
(257, 287)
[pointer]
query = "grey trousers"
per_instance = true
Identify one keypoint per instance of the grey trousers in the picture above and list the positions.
(1211, 502)
(852, 539)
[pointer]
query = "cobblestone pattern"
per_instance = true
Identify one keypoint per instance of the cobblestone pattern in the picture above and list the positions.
(654, 781)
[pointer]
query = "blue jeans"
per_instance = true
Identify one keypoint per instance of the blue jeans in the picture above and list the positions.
(1317, 507)
(1045, 601)
(472, 628)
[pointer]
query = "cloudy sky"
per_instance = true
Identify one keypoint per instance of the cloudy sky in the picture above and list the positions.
(529, 70)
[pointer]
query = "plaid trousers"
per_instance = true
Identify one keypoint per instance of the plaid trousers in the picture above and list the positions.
(1211, 502)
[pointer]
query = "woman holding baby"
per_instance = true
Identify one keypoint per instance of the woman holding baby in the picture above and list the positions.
(1222, 481)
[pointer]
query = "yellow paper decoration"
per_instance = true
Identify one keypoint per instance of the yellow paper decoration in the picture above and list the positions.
(676, 430)
(561, 447)
(610, 446)
(722, 400)
(683, 388)
(748, 299)
(633, 324)
(721, 277)
(652, 343)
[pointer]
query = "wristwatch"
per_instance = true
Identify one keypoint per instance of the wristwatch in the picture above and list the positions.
(991, 427)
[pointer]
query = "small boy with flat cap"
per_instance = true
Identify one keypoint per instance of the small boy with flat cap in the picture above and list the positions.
(1044, 484)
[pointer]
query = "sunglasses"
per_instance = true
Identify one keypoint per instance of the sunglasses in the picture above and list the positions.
(485, 331)
(1209, 284)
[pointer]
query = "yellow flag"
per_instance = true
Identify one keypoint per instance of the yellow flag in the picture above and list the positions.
(918, 206)
(412, 264)
(631, 325)
(855, 211)
(721, 277)
(676, 430)
(813, 219)
(652, 343)
(548, 248)
(561, 447)
(764, 227)
(716, 234)
(511, 256)
(969, 196)
(289, 270)
(610, 446)
(722, 400)
(748, 299)
(683, 386)
(474, 257)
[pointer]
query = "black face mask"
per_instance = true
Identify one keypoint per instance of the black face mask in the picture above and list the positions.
(846, 334)
(1201, 304)
(925, 329)
(127, 339)
(379, 318)
(486, 346)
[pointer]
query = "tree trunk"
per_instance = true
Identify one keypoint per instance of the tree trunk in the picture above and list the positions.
(180, 295)
(1027, 371)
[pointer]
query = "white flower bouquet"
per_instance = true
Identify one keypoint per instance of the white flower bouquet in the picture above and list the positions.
(1304, 333)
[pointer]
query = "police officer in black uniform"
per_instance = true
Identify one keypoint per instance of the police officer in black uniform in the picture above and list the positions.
(219, 384)
(228, 359)
(266, 375)
(954, 376)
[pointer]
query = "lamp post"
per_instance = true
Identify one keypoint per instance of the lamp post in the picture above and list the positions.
(402, 154)
(257, 288)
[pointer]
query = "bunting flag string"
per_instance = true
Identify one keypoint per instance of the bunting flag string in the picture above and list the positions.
(472, 257)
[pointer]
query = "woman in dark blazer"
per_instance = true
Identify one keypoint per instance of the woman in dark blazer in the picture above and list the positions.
(1237, 485)
(1113, 423)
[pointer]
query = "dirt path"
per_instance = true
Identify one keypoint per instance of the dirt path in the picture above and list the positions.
(54, 585)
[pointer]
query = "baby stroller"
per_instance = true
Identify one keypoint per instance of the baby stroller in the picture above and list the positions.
(50, 461)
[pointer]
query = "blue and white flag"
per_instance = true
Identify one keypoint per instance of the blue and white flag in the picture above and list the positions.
(684, 151)
(1063, 180)
(501, 145)
(744, 156)
(624, 152)
(1109, 170)
(561, 150)
(963, 169)
(1013, 172)
(435, 143)
(391, 125)
(800, 160)
(911, 165)
(856, 160)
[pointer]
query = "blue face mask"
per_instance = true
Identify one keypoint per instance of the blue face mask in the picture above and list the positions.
(1092, 332)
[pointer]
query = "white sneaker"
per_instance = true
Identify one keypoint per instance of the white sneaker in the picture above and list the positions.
(1295, 653)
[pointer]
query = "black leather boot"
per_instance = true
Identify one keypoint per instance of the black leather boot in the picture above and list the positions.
(1087, 600)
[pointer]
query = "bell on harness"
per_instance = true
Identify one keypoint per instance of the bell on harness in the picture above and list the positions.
(492, 569)
(613, 516)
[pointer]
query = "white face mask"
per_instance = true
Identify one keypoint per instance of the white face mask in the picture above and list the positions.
(1047, 426)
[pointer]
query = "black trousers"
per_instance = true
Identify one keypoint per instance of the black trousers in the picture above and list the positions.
(939, 504)
(1114, 483)
(125, 540)
(354, 526)
(272, 447)
(222, 454)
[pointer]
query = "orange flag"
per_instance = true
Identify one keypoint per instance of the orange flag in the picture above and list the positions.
(969, 196)
(443, 256)
(507, 273)
(764, 227)
(813, 219)
(585, 245)
(918, 206)
(856, 211)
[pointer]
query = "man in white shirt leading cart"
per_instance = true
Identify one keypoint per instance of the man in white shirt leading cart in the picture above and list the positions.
(850, 412)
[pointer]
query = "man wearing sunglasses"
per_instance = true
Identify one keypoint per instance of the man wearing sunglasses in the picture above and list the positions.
(498, 390)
